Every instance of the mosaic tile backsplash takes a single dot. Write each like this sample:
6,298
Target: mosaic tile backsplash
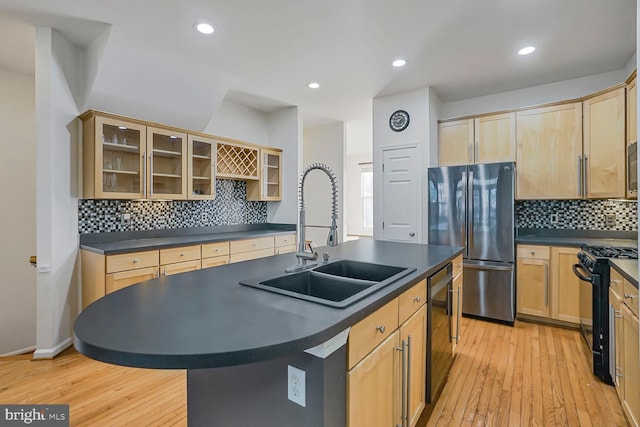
577,214
230,207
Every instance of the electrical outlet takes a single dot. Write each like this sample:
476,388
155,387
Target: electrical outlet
610,220
554,218
204,216
296,385
125,218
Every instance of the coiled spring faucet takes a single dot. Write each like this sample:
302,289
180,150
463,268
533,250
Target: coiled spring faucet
332,238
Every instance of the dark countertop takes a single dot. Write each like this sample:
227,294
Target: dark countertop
577,238
123,242
205,319
628,268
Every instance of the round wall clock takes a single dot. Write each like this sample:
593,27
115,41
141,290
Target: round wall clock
399,120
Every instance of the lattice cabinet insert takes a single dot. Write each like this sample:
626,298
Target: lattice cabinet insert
237,161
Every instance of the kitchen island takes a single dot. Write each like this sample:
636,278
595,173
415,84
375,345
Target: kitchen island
236,342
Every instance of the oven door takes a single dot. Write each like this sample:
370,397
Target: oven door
586,297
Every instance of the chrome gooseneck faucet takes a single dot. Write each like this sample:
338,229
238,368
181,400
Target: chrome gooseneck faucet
332,238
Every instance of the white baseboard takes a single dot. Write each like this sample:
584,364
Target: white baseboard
50,353
21,351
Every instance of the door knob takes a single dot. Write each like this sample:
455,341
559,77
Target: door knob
412,234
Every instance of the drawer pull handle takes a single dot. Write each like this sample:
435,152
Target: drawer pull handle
533,252
135,260
380,329
629,296
416,299
181,253
253,244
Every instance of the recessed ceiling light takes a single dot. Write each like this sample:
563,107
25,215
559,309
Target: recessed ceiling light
399,63
205,28
526,50
314,85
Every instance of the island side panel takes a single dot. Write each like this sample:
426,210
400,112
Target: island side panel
256,393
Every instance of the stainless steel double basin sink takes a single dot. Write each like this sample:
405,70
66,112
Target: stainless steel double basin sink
336,284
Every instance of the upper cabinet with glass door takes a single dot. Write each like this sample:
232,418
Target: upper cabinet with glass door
269,187
202,168
167,164
113,156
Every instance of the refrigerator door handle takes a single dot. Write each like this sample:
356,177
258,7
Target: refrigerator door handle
470,204
463,233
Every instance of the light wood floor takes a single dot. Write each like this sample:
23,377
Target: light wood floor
527,375
503,376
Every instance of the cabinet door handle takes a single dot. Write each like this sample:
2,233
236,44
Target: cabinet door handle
579,175
157,274
144,173
403,404
629,296
459,314
380,329
151,175
407,414
416,299
165,272
585,187
546,284
617,315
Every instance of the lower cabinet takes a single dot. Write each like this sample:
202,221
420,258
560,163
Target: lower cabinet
456,309
631,365
180,260
122,279
387,363
244,250
372,387
546,285
180,267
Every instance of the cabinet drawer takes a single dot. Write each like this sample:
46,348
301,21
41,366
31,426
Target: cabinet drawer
287,240
616,283
371,331
533,252
240,246
457,265
245,256
411,300
215,261
180,267
285,249
131,260
631,297
183,253
122,279
215,249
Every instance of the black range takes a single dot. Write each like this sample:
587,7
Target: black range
593,271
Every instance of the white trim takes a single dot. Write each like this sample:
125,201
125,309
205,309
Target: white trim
21,351
50,353
328,347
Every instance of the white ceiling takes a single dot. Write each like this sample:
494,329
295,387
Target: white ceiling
265,52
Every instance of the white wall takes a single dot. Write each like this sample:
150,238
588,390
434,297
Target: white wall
417,104
236,121
358,149
18,213
285,132
324,144
57,143
535,95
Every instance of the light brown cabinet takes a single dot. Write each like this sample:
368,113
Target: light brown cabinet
549,152
604,145
114,158
285,244
180,260
167,156
632,111
386,369
237,160
623,298
215,254
485,139
455,142
269,187
202,166
564,285
546,285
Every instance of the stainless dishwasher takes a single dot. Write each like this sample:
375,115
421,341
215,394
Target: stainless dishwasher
439,333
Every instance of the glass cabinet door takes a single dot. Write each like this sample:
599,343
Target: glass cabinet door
271,175
119,160
202,168
167,164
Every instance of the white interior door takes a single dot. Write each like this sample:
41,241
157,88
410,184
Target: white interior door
402,197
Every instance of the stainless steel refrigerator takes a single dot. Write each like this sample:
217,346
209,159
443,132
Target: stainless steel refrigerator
473,206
